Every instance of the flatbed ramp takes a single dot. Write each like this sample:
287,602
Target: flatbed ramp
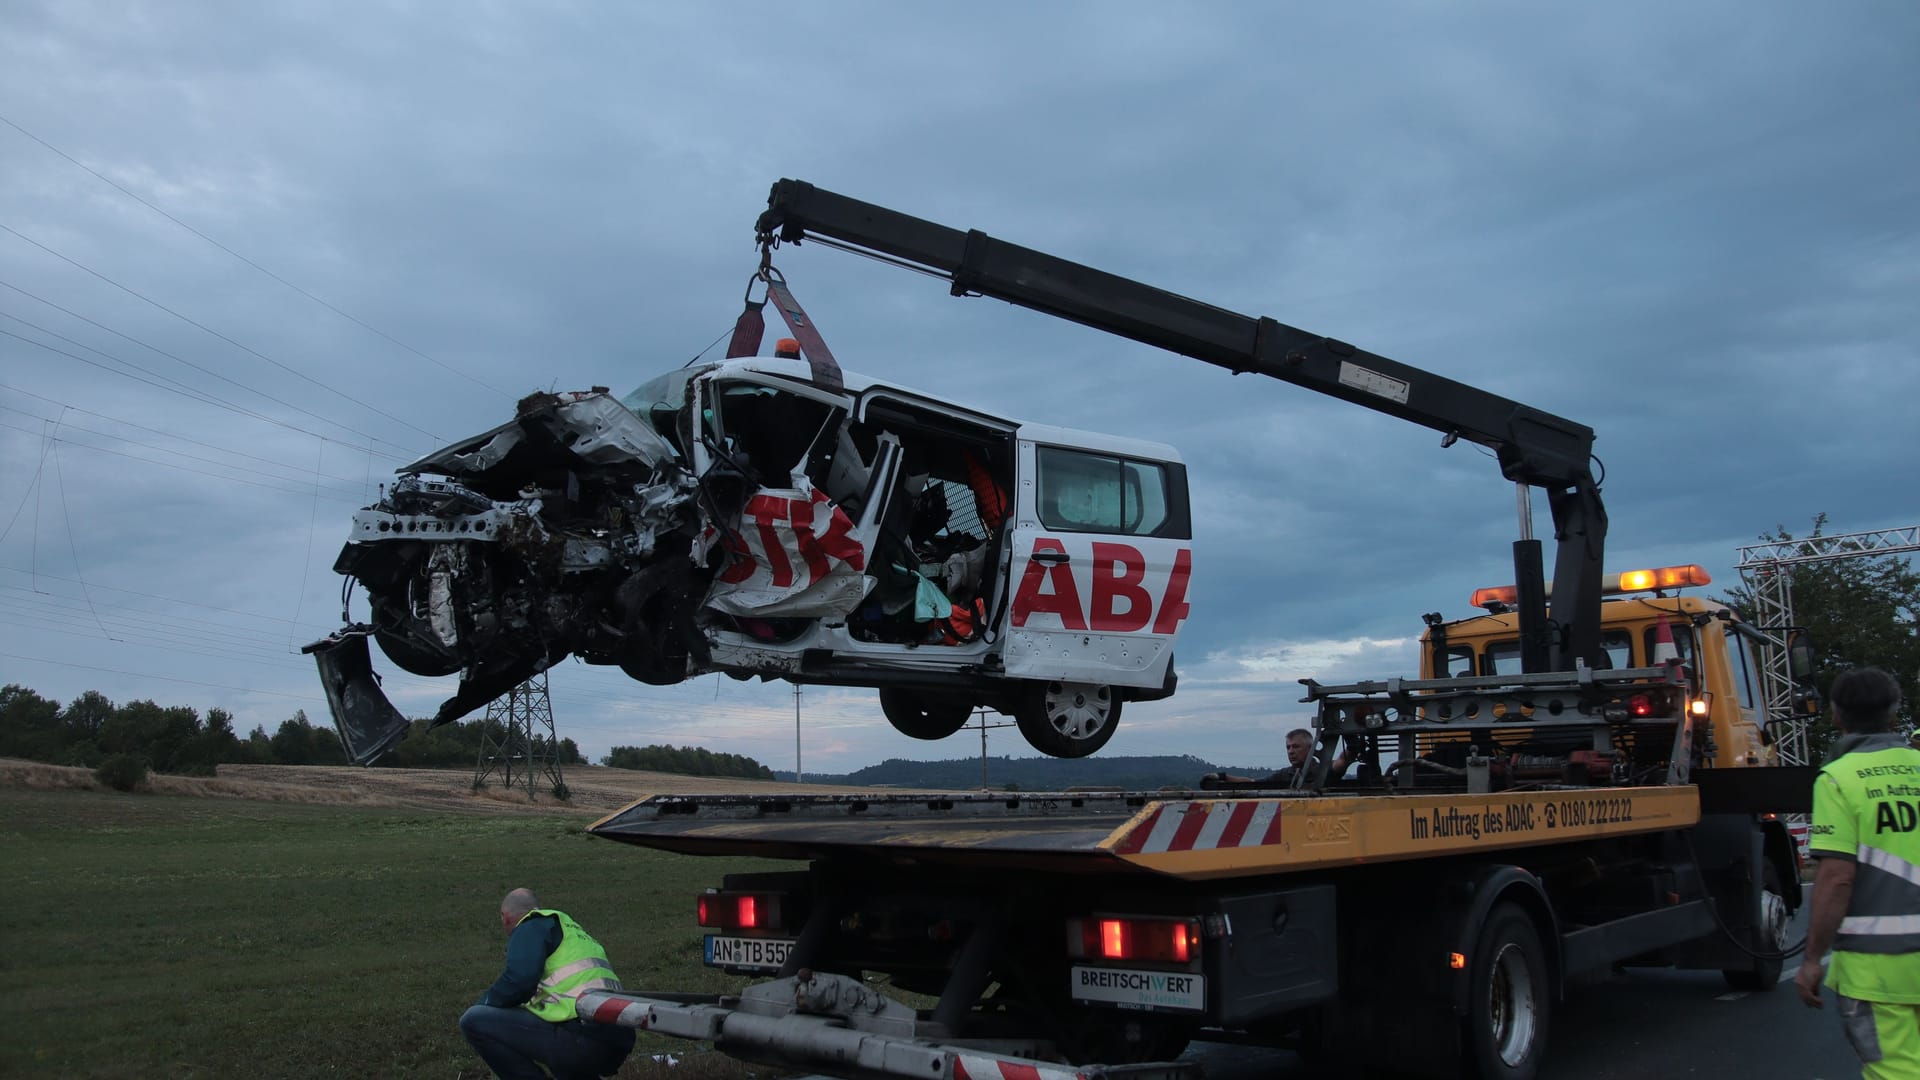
1186,835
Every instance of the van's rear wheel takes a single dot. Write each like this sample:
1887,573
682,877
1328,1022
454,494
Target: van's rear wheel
1068,719
919,715
1509,999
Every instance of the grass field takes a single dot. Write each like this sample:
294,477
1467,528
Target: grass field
160,936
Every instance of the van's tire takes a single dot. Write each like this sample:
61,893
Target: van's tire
1068,719
1770,935
412,657
919,715
1509,1000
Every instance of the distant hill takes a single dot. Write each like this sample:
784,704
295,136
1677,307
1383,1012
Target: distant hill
1034,774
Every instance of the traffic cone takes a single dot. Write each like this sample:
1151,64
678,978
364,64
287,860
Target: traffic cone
1664,650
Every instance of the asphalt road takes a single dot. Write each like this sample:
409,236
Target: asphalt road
1643,1025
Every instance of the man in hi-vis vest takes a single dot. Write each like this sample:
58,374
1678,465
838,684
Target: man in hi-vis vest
1866,897
526,1018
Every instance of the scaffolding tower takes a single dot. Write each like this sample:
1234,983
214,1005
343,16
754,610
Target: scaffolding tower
518,733
1767,570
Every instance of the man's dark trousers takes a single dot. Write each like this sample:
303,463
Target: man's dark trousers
514,1043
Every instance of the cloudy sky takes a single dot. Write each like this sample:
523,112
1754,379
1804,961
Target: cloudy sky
252,257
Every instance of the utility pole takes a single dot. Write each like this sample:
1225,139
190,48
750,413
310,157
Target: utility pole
981,715
798,776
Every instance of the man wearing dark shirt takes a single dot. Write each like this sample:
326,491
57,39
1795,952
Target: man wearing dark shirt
526,1018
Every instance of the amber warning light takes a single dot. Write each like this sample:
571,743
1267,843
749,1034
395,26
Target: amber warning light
1626,581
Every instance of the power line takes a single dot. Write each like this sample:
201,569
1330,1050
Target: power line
158,620
32,486
162,678
190,392
170,435
350,318
182,468
157,596
352,492
210,330
73,546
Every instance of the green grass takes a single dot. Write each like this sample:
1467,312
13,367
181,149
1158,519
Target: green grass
149,936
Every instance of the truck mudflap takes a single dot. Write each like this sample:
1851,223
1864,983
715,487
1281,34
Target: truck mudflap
368,723
842,1027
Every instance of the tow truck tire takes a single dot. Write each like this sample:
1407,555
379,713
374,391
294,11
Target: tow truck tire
1764,975
920,715
1509,1000
1068,719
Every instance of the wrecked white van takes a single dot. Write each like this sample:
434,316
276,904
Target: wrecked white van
735,516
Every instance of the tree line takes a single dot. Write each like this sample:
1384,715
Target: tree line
687,760
90,729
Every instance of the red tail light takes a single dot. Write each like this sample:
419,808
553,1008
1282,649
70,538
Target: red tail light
1640,705
738,911
1163,941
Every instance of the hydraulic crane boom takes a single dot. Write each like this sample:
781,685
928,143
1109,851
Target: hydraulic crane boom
1535,448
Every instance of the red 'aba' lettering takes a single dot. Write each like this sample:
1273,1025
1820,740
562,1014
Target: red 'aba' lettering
1062,597
1118,571
1121,603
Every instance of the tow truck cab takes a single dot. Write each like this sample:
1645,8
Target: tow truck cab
1644,623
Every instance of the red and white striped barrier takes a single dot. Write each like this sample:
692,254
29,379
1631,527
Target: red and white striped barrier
1204,826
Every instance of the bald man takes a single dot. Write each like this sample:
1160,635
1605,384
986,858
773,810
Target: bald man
526,1018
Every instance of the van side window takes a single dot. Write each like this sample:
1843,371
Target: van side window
1083,492
1741,664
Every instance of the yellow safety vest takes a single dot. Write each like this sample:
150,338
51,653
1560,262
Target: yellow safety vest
576,965
1866,807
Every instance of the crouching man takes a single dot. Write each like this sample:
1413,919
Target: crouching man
526,1018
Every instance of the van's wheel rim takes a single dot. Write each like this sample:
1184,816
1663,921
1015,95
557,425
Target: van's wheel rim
1512,1015
1077,710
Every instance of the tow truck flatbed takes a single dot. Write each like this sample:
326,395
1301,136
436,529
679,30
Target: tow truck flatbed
1186,835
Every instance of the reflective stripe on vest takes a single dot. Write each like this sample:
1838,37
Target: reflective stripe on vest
576,965
1886,891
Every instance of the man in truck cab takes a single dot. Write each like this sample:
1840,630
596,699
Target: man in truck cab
1299,751
1866,896
526,1018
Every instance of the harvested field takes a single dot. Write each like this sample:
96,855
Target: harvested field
592,789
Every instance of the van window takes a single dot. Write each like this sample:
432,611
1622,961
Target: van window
1741,665
1083,492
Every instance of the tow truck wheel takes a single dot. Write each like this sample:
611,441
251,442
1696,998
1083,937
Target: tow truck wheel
1509,999
1770,935
920,715
1068,719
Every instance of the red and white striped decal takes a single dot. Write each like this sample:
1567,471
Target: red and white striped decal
981,1067
1204,826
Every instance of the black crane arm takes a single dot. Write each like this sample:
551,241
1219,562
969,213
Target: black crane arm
1534,448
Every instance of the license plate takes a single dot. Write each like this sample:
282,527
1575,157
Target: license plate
1140,989
760,954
